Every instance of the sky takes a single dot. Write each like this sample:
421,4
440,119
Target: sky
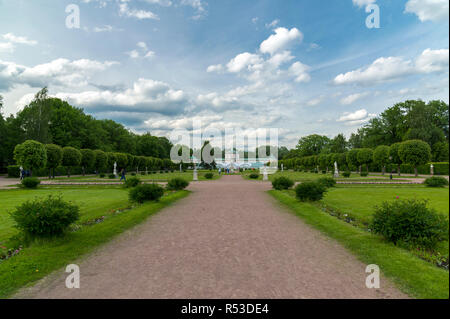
301,66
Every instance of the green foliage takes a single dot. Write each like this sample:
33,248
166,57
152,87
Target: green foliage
253,175
100,160
87,158
30,182
71,157
364,174
209,175
312,145
177,183
327,182
121,160
352,157
410,222
381,155
310,191
54,155
47,217
282,182
414,152
347,174
393,153
436,181
112,176
365,156
146,192
30,154
440,152
132,182
13,171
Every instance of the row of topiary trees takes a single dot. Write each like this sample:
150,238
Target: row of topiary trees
412,152
32,155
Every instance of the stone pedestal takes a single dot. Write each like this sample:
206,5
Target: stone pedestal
195,175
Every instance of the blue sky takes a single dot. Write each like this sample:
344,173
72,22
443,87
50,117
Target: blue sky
155,65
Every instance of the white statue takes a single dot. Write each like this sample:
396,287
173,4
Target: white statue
115,169
432,169
336,171
265,175
195,178
282,167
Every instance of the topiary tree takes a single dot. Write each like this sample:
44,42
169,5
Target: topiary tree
110,162
139,162
121,160
381,157
394,157
323,161
101,160
71,158
352,158
54,158
87,159
30,154
365,157
415,153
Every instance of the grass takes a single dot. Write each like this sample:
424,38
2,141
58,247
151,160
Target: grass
412,275
93,202
41,258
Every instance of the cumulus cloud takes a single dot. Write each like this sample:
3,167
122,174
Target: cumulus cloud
362,3
57,72
12,40
428,10
391,68
352,98
272,24
141,51
280,40
198,5
243,60
356,118
214,68
146,96
300,72
125,10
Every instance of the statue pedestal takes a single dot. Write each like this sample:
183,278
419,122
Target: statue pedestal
265,176
195,178
336,174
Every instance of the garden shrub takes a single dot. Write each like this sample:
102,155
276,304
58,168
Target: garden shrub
254,175
102,175
14,171
324,172
436,182
132,182
410,222
146,192
45,217
133,174
112,176
364,174
346,174
327,181
310,191
177,183
281,183
209,175
30,182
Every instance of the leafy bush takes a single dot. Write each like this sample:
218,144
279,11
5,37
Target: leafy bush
133,174
346,174
436,182
146,192
209,175
112,176
364,174
327,182
324,172
177,184
254,175
102,175
14,171
410,222
132,182
47,217
310,191
30,182
282,182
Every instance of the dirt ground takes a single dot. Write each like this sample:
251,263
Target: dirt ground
228,239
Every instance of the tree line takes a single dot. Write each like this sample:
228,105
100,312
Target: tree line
52,121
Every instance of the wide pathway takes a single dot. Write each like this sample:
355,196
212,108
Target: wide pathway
228,239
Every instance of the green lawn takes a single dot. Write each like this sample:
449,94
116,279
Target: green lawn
412,275
42,257
93,202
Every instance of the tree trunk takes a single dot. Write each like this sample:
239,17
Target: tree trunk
359,169
49,173
53,171
84,171
383,171
415,172
68,172
398,170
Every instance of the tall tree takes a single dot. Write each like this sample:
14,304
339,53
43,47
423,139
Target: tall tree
312,145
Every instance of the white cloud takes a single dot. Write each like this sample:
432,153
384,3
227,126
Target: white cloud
214,68
146,96
242,61
198,5
57,72
124,10
164,3
280,40
391,68
6,47
315,101
428,10
272,24
353,98
363,3
142,51
356,118
255,20
300,72
18,40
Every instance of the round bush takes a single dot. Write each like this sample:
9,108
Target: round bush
346,174
209,175
112,176
102,175
132,182
364,174
410,222
146,192
282,182
327,182
254,175
436,181
310,191
176,184
30,182
47,217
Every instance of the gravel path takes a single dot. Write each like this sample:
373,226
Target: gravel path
228,239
